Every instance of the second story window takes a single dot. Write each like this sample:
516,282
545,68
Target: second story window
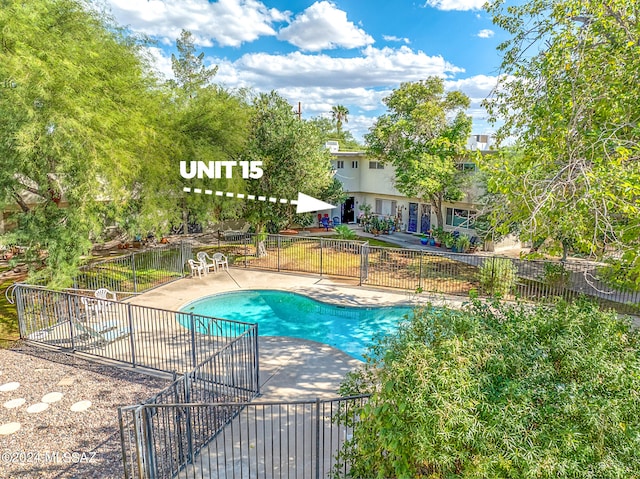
376,165
354,164
339,164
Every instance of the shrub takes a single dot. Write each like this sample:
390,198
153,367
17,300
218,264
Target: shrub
500,391
463,243
497,276
345,233
556,276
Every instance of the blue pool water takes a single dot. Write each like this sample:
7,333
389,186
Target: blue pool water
281,313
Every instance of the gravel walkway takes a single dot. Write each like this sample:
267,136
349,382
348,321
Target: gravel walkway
64,412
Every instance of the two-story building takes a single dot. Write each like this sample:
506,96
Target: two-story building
369,182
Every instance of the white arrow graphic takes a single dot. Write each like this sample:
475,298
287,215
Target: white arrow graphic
304,203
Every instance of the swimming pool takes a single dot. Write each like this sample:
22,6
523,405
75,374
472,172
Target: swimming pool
281,313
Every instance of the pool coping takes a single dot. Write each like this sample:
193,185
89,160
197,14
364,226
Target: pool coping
291,368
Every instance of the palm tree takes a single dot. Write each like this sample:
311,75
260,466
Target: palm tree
339,114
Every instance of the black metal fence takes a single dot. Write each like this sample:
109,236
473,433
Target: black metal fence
299,439
428,270
136,272
136,335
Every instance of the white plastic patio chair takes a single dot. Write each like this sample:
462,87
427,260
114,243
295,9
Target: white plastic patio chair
220,261
206,261
196,268
92,306
105,294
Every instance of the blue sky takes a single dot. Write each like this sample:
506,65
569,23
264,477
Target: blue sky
325,53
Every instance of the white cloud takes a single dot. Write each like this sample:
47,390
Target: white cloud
393,38
374,68
456,4
322,26
160,62
225,22
486,33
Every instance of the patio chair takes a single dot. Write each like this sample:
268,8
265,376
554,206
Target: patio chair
105,294
93,306
220,261
206,261
196,268
101,334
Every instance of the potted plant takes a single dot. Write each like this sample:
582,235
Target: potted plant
463,243
424,240
448,240
438,235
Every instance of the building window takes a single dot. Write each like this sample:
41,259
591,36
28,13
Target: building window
376,165
354,164
457,217
378,209
339,164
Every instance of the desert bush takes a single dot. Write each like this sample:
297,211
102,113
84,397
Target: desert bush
500,391
497,276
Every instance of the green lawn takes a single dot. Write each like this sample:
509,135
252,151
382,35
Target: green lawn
8,318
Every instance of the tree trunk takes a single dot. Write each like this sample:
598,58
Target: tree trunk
436,202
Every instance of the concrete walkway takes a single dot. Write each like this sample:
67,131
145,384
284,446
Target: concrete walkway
290,368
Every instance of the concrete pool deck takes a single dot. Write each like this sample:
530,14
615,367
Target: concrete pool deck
290,368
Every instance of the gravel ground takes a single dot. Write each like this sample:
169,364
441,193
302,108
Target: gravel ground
58,442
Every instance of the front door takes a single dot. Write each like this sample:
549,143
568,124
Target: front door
413,218
348,213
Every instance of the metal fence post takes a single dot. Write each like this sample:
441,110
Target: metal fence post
133,272
246,249
151,468
321,248
279,246
187,397
70,319
420,270
193,340
317,438
132,341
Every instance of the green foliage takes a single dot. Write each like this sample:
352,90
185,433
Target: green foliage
334,193
340,114
293,160
463,244
556,275
622,274
497,276
423,134
75,126
500,391
328,131
189,70
345,233
569,95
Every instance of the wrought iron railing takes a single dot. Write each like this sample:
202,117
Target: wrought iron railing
296,439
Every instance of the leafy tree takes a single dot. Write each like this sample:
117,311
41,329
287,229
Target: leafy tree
500,391
188,68
423,133
199,122
293,160
570,97
340,115
210,126
75,125
328,131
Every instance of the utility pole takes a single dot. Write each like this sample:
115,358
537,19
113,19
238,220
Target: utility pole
299,112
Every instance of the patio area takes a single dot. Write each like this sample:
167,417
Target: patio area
290,368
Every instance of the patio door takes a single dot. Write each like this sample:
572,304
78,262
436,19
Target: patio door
413,218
